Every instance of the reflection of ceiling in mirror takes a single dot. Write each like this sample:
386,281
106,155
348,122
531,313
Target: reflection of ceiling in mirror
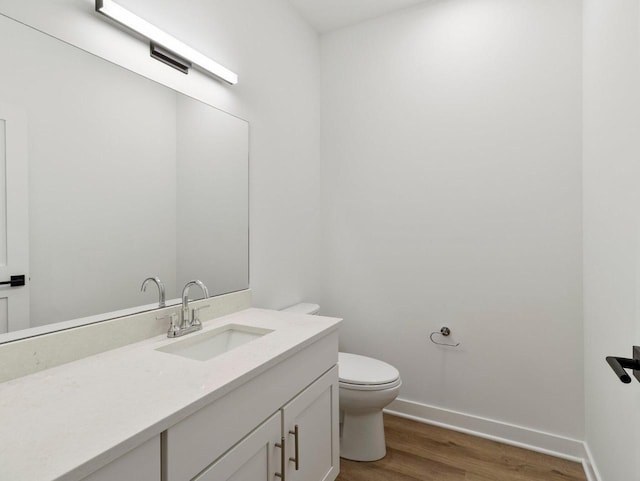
127,178
327,15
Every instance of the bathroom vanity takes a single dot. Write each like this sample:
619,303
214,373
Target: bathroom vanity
150,411
89,387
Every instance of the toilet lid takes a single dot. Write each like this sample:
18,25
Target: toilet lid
361,370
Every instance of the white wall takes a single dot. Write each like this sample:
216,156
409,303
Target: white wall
276,55
611,254
451,156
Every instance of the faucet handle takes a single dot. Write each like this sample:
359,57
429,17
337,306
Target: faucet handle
173,323
195,320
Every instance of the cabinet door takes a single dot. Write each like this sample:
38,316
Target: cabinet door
255,458
315,414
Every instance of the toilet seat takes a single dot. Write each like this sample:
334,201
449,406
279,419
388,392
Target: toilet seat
363,373
369,387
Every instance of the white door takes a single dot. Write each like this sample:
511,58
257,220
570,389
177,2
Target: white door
310,425
255,458
14,219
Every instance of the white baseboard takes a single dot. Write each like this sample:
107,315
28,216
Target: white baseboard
511,434
589,465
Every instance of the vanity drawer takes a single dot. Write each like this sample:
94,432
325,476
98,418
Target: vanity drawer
197,441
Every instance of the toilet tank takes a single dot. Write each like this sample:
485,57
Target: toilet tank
303,308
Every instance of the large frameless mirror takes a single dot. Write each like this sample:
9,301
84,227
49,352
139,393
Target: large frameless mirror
126,179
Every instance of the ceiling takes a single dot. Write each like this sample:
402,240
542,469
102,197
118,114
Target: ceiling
327,15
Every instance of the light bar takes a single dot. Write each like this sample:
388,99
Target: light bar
157,36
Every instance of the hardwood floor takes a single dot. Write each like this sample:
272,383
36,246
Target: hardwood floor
417,451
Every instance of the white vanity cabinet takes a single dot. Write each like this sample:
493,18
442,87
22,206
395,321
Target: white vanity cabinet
171,417
235,437
307,425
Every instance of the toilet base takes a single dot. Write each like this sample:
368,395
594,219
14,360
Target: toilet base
362,436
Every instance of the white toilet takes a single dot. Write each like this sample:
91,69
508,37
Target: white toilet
367,386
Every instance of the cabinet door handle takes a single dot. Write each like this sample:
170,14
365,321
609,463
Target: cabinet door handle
297,458
283,459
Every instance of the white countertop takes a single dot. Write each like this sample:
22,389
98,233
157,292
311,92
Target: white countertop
66,422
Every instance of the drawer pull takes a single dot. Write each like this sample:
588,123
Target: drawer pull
297,458
283,459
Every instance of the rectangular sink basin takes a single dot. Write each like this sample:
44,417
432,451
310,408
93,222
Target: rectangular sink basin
208,345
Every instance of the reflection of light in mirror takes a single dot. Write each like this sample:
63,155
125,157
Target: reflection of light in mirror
153,33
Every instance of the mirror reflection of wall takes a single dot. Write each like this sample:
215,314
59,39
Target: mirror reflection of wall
127,179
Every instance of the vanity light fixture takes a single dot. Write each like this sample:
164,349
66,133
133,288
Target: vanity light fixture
164,47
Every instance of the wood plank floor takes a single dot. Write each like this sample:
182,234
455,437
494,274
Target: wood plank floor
417,451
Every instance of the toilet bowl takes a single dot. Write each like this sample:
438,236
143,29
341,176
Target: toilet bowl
366,387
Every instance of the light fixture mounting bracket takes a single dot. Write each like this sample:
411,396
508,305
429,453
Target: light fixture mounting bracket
169,58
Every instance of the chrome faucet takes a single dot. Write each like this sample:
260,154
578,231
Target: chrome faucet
188,323
158,282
